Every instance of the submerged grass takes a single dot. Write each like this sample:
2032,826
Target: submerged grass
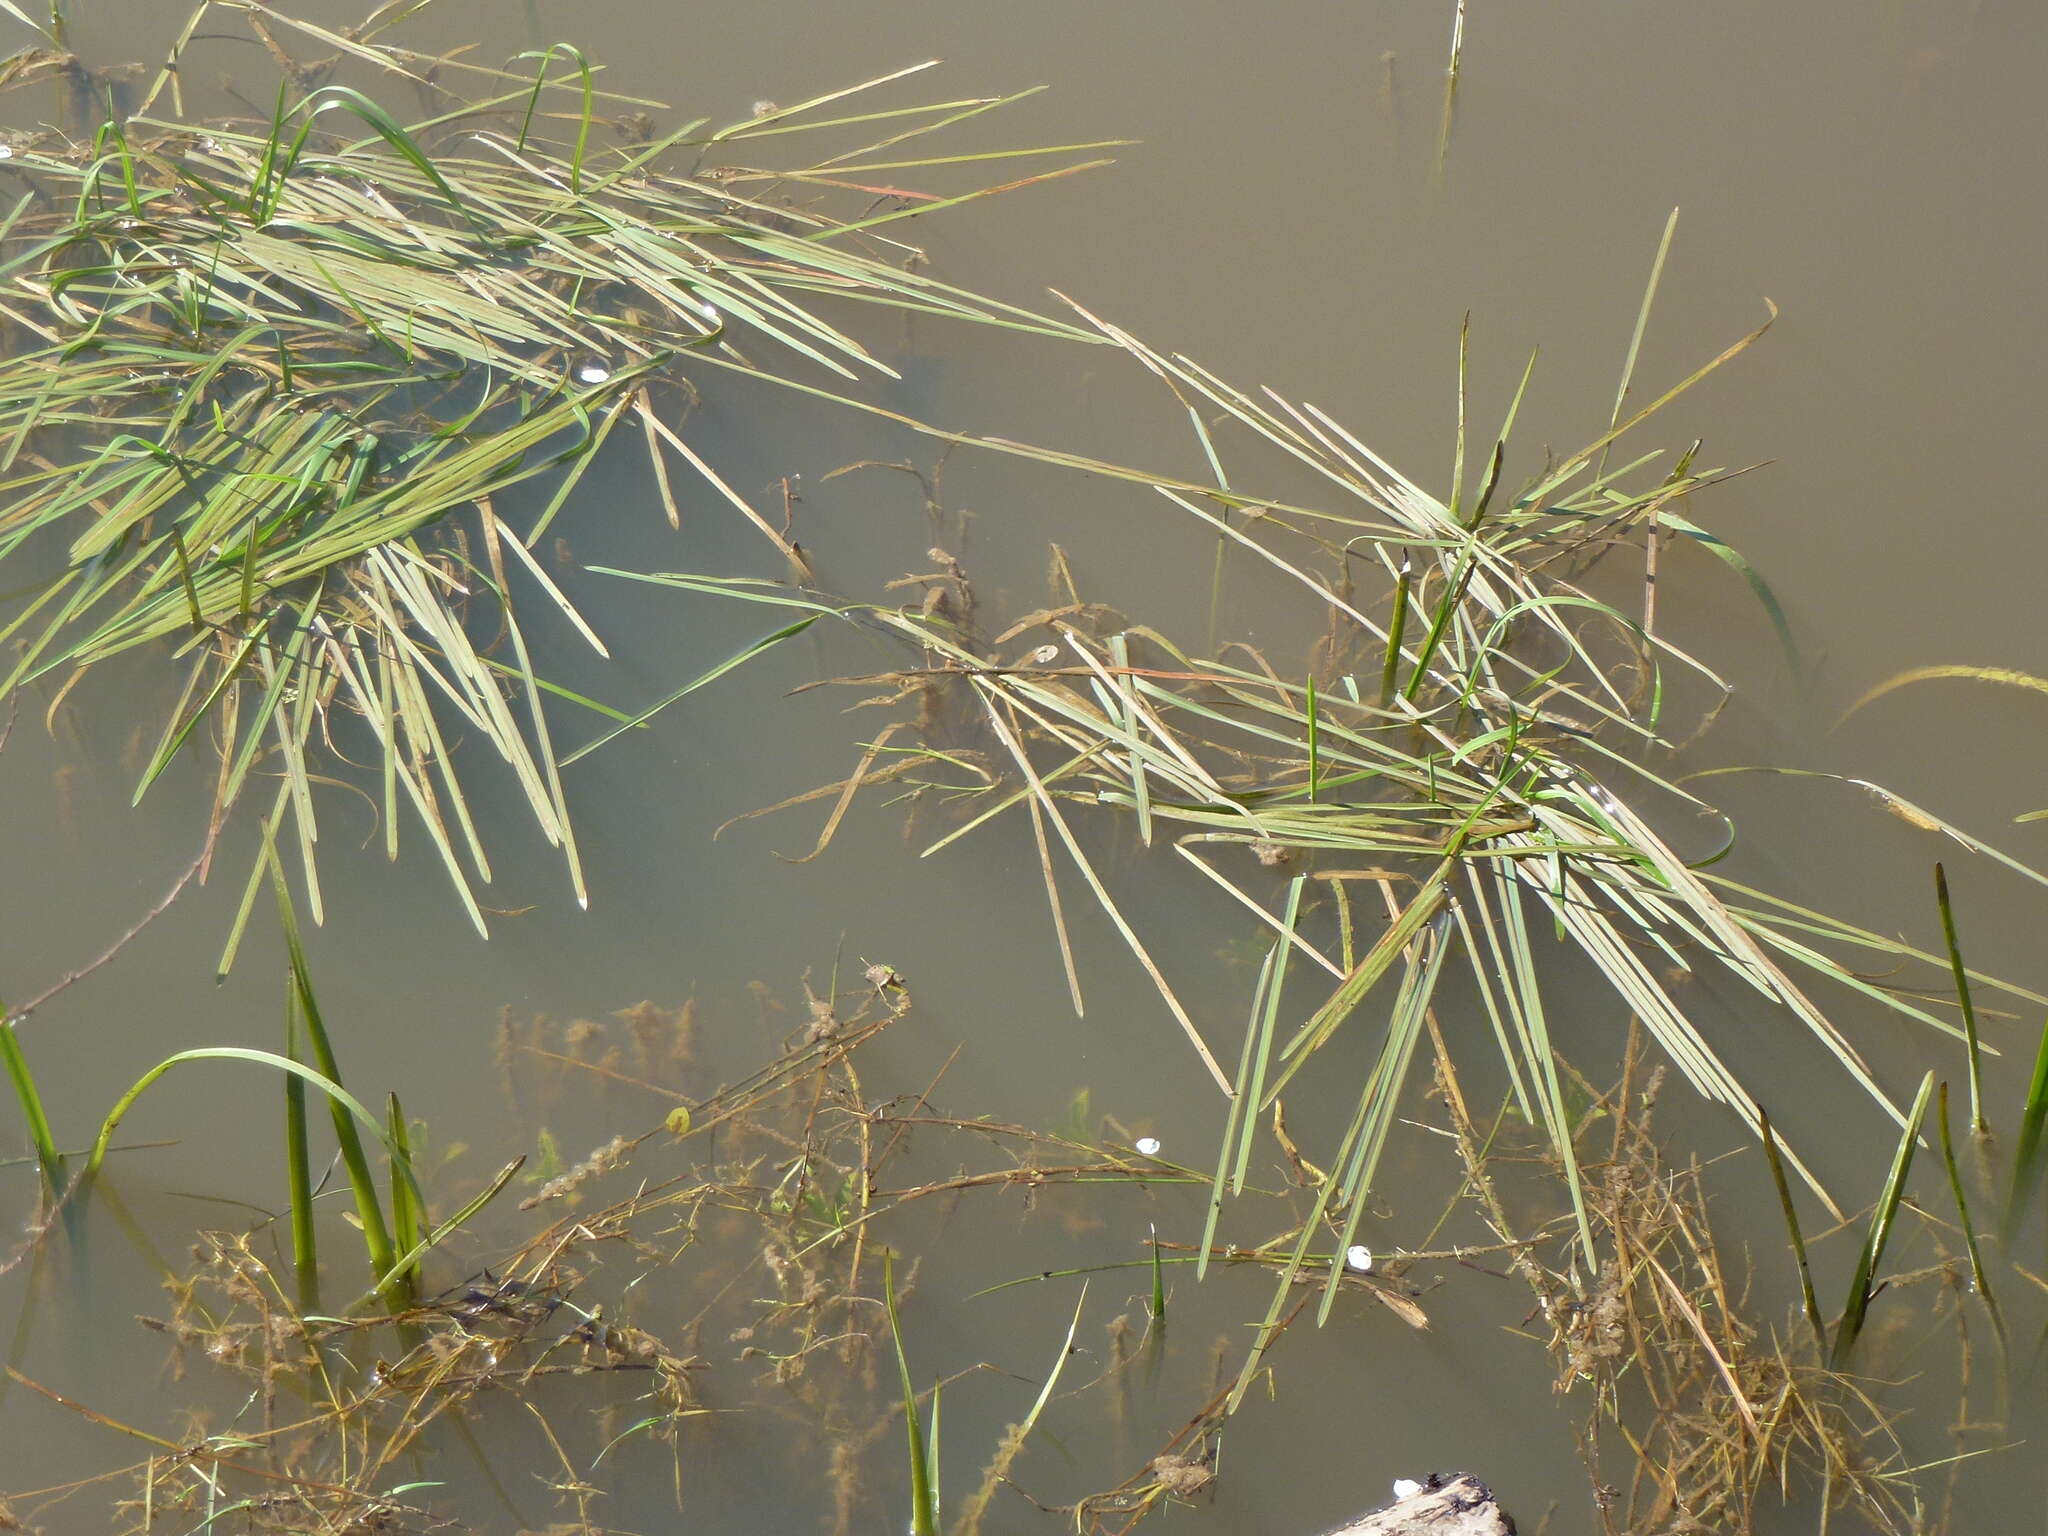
746,1220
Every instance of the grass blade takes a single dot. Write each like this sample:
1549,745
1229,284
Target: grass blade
1978,1278
924,1515
47,1156
298,1163
1806,1294
1880,1232
1962,981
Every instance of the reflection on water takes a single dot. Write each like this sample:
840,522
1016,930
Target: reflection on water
1287,217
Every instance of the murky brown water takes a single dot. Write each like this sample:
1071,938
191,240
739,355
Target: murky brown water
1286,219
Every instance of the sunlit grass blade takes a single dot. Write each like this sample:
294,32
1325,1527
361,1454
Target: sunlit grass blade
26,1094
971,1512
1240,1124
336,1095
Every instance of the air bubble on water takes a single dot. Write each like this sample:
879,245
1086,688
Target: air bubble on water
592,373
1358,1257
1149,1145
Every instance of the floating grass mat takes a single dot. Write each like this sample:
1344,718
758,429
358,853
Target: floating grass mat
1464,779
265,385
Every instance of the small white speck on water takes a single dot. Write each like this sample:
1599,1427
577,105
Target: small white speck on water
592,373
1359,1258
710,312
6,151
1149,1145
1406,1487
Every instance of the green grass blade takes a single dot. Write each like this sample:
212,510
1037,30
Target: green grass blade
924,1519
408,1261
2026,1161
408,1217
298,1163
1978,1278
336,1095
1962,981
1237,1123
25,1092
1807,1298
344,1111
1872,1255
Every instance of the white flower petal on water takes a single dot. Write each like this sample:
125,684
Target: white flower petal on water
1149,1145
1358,1257
1406,1487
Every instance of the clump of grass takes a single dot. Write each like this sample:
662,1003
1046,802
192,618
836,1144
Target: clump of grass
1477,758
268,391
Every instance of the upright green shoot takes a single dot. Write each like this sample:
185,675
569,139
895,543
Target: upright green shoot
924,1509
1978,1124
1881,1216
2026,1162
26,1094
298,1161
1157,1305
1978,1278
408,1217
369,1208
1806,1294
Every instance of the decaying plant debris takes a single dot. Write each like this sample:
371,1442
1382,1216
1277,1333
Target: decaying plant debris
769,1247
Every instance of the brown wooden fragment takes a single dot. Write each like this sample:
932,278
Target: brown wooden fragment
1449,1504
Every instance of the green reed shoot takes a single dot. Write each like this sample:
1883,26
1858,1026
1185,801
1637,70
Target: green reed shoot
924,1507
969,1521
369,1207
1158,1303
298,1162
1397,625
48,1158
1978,1277
1807,1298
1247,1097
1881,1216
1962,980
408,1217
2026,1162
1315,776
